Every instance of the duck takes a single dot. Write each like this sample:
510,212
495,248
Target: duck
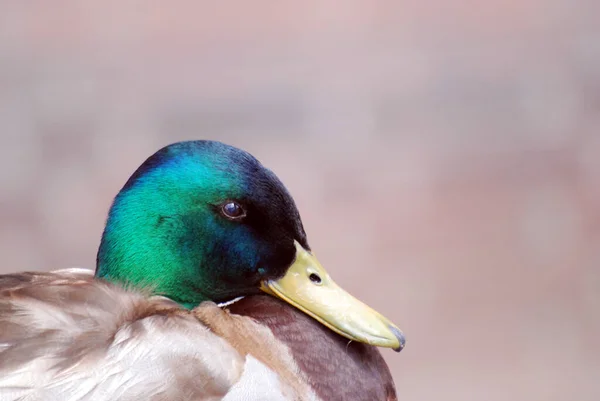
205,288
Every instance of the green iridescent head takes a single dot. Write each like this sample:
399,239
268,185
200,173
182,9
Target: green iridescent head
200,220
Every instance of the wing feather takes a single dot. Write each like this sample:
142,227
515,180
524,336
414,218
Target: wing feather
65,336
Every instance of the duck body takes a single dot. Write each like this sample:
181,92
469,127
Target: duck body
197,222
68,336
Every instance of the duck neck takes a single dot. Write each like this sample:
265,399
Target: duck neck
145,248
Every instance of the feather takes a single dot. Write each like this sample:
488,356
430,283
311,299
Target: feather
67,336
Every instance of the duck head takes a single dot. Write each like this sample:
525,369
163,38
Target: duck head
201,220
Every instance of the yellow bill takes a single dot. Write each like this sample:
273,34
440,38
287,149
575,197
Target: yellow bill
308,287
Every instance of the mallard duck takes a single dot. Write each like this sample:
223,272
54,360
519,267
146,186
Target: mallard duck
174,309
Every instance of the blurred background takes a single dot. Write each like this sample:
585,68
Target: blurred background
445,157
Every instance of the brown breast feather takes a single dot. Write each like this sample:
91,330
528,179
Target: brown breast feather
336,368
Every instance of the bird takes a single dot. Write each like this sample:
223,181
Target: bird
205,288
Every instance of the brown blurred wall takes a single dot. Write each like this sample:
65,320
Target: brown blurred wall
445,157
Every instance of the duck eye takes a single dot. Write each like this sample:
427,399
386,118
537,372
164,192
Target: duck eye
233,210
